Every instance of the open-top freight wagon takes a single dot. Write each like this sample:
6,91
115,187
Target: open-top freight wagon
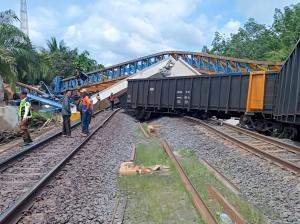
266,101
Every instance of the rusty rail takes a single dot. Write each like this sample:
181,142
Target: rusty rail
228,208
222,178
198,202
133,154
144,131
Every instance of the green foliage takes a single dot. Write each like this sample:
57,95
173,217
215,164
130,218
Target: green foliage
20,61
17,55
201,178
63,60
157,197
86,63
8,17
256,41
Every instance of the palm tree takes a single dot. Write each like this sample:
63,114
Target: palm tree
53,45
18,58
15,47
8,17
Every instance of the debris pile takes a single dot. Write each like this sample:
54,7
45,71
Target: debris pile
8,135
127,168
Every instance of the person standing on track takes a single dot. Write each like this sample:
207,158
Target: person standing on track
66,114
85,112
99,101
112,101
24,116
91,111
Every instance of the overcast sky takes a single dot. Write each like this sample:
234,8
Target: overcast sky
117,30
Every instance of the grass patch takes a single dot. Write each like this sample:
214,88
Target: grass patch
201,177
159,197
38,118
41,115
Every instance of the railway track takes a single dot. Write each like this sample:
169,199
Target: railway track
285,155
22,177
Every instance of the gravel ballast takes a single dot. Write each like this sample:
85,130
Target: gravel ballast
275,191
21,175
85,191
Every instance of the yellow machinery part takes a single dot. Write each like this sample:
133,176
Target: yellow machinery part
256,91
75,116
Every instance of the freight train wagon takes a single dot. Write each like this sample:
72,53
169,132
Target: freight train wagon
266,101
206,95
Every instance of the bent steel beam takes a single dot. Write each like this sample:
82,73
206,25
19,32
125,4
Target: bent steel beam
202,62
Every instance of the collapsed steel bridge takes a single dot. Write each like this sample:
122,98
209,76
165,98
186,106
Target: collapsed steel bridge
202,62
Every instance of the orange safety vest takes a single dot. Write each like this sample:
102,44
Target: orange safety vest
86,103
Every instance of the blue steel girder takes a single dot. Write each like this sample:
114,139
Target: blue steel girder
205,63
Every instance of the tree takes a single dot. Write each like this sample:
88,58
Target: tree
16,52
256,41
20,61
8,17
218,44
53,46
205,49
287,26
64,60
85,63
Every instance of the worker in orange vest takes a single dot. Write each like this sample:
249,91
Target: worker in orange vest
85,112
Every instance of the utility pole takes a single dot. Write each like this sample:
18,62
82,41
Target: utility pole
24,18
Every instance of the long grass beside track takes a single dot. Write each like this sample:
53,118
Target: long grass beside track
158,197
154,197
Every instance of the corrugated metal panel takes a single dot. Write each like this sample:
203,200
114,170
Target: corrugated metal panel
287,107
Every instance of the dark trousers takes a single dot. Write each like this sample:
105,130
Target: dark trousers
90,116
85,121
66,125
24,131
112,105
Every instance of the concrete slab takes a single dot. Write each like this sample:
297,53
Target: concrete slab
9,118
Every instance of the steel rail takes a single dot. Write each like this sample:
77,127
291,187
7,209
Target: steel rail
198,202
4,163
274,159
290,147
221,177
13,213
227,206
145,133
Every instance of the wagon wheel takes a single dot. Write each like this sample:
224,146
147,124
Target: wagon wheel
140,114
245,121
147,116
260,126
289,133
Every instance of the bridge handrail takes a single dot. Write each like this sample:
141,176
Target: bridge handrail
184,53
